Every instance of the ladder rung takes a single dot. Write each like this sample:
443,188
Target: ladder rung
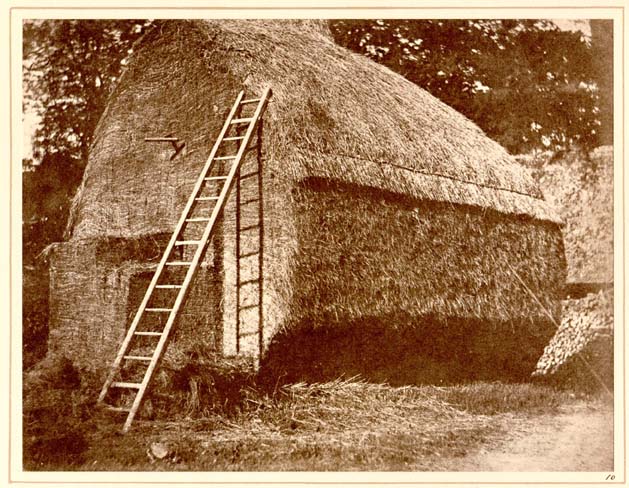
124,384
251,100
246,307
245,334
224,158
252,200
198,219
213,178
249,254
249,282
249,175
158,309
234,138
167,286
187,243
241,121
142,333
250,227
206,198
178,263
117,409
138,358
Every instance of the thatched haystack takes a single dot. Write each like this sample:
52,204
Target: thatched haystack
383,209
581,187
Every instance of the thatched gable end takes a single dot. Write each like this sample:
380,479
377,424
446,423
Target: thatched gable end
334,114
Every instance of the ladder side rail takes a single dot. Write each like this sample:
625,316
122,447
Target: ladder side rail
238,261
260,242
168,250
255,118
195,261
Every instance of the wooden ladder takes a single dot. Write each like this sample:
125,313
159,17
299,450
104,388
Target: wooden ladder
143,327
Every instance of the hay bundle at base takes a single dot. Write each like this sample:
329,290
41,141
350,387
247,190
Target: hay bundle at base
381,205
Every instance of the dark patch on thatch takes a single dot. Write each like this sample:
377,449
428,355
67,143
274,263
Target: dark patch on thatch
403,349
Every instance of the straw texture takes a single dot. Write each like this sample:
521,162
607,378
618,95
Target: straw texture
377,199
334,114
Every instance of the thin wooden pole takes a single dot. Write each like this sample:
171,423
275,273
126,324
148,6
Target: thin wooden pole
238,261
261,243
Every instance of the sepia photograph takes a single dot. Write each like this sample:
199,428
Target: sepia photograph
343,244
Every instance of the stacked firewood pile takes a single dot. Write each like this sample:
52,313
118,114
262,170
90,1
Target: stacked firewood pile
581,187
582,347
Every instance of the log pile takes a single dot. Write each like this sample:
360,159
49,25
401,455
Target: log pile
585,336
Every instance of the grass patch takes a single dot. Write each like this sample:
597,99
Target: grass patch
341,425
497,398
58,414
338,426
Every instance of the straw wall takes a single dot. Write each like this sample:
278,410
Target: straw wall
96,288
364,252
384,285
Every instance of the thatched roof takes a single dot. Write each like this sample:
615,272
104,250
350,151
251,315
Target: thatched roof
581,187
334,114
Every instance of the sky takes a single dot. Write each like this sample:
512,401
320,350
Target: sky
573,25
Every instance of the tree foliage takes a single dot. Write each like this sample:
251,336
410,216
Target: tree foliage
69,70
70,67
526,83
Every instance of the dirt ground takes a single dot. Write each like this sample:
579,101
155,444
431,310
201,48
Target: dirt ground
580,439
